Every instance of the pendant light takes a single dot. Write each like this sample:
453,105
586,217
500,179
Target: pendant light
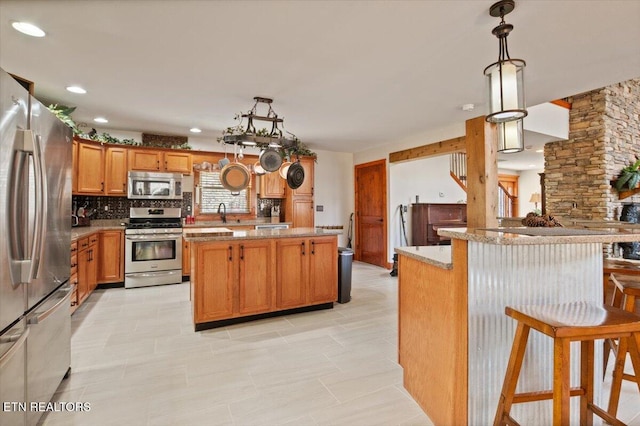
510,137
505,77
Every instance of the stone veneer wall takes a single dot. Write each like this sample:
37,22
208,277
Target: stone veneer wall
604,136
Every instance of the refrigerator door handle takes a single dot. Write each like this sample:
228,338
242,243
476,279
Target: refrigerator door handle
19,341
42,204
30,266
42,316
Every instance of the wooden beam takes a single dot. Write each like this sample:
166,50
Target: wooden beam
482,174
431,150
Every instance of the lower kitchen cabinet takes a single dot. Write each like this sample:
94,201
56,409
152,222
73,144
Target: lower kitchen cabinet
242,279
87,266
186,258
254,278
96,258
306,271
111,251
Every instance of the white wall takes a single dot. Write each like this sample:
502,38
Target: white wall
528,183
428,179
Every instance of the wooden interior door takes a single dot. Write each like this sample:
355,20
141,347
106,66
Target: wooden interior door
371,213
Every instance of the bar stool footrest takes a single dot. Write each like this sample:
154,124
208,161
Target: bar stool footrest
606,416
542,395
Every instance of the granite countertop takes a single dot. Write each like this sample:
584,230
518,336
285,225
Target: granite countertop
531,236
226,234
439,256
231,224
83,231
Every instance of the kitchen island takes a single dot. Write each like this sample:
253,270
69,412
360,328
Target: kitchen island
454,338
240,276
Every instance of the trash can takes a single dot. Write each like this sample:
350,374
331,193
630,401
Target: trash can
345,260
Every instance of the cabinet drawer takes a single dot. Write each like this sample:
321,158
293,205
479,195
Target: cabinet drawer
74,247
83,243
93,240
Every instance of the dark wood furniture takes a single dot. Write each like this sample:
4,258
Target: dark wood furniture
557,322
427,218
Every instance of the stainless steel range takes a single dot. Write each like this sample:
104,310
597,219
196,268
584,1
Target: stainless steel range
153,247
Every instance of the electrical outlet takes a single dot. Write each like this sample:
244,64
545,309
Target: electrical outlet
405,208
106,208
319,208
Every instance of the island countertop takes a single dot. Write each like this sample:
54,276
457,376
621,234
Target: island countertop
533,236
226,234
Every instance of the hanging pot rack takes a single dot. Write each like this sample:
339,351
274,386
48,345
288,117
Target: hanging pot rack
251,137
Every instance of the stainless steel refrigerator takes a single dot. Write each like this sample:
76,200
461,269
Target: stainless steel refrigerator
35,232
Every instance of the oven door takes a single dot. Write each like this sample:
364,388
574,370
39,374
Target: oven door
153,252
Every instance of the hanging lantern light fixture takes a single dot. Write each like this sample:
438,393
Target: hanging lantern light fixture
510,137
505,77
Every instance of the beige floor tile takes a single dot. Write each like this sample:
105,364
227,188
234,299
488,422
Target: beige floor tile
137,360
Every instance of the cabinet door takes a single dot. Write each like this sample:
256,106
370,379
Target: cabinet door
306,189
272,186
256,277
179,162
74,169
110,260
92,269
83,281
291,272
302,213
323,270
90,169
186,258
115,174
148,160
214,277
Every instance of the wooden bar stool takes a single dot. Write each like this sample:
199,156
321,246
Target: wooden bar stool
566,323
625,291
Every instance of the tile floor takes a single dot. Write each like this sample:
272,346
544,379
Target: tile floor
137,361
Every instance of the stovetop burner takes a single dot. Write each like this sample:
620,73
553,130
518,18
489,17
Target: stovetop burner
149,219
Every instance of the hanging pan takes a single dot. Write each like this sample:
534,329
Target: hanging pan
258,170
295,175
235,176
270,159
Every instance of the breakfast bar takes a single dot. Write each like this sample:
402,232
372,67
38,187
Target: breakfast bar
454,338
239,276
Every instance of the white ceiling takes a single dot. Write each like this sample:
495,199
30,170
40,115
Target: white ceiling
345,75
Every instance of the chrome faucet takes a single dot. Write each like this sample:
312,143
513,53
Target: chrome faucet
223,215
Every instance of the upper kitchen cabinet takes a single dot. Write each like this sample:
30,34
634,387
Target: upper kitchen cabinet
272,185
157,160
74,170
90,173
115,174
306,189
298,203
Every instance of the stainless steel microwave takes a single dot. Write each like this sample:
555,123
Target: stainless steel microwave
155,186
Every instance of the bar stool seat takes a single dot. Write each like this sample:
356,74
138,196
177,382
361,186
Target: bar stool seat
625,292
565,323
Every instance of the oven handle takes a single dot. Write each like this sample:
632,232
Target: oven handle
152,236
152,274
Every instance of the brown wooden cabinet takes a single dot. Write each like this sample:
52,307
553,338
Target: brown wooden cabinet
243,279
73,278
306,271
115,174
427,218
298,204
159,161
186,257
74,169
272,185
90,173
111,257
87,266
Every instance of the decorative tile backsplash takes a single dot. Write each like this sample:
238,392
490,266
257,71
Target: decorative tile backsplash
265,204
118,207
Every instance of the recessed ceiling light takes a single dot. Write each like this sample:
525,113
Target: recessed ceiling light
100,120
532,165
468,107
76,89
195,130
539,150
28,29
